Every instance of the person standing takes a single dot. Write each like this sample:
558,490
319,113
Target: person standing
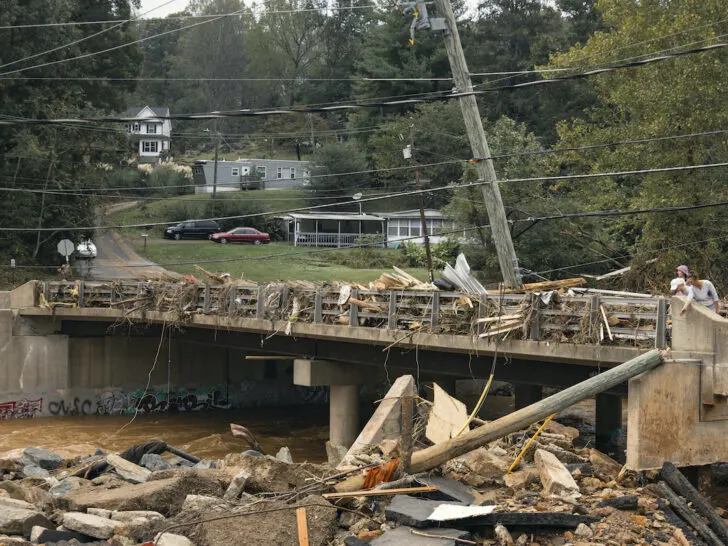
702,291
678,284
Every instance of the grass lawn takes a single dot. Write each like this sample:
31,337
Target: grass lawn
287,262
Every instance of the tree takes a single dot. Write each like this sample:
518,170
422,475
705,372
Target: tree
328,178
59,157
677,96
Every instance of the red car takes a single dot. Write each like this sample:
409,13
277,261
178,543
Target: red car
241,235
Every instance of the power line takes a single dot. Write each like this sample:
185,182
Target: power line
181,17
94,35
357,105
433,190
452,161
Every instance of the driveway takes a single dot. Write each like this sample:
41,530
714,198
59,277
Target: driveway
115,255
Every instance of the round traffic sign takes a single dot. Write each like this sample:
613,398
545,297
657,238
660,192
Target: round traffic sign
65,248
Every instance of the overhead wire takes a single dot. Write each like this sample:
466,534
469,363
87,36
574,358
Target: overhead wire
436,189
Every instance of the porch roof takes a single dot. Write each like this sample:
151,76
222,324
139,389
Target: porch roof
335,216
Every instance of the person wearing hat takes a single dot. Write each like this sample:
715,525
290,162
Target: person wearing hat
703,292
678,284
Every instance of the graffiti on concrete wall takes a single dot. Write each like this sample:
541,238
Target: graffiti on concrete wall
21,409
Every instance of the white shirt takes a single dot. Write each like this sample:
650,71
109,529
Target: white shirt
707,295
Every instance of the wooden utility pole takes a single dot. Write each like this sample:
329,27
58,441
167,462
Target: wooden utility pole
479,146
214,172
420,199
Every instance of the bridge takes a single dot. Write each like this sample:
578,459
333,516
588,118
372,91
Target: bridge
68,345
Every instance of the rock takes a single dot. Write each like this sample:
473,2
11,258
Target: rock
52,536
203,503
563,455
273,527
557,428
487,464
16,503
402,536
390,448
556,480
520,479
625,502
237,486
406,510
335,453
43,458
284,454
165,495
605,467
131,515
130,472
88,524
20,521
101,512
170,539
502,535
153,462
583,531
352,540
34,471
10,461
66,486
14,541
268,474
204,465
179,462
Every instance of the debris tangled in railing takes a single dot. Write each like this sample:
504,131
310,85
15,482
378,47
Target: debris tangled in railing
397,301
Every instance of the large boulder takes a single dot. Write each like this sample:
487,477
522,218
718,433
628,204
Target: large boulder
165,495
555,478
268,474
154,462
41,457
17,520
127,470
88,524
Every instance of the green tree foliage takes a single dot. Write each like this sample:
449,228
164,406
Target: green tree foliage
59,157
678,96
332,160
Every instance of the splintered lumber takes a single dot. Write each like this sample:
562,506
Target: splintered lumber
683,510
380,492
302,526
546,286
501,318
501,330
606,322
684,488
436,455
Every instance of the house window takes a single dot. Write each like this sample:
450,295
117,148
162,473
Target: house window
280,172
235,171
415,230
392,228
151,128
404,230
293,173
261,171
150,146
135,127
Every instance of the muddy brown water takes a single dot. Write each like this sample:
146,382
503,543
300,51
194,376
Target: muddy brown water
304,429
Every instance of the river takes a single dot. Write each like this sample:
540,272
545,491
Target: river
304,429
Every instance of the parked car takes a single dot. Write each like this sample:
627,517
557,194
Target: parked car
192,229
86,249
241,235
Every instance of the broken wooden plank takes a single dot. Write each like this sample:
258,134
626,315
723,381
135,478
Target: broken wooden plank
382,492
683,510
501,330
501,318
606,323
434,456
546,286
684,488
448,416
302,526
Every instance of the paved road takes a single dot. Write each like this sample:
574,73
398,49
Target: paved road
114,254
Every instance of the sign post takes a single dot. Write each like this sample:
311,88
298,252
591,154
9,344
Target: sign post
65,248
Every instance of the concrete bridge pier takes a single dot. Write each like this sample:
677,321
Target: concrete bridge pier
343,381
609,437
526,395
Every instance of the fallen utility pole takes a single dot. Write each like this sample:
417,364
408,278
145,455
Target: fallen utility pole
436,455
481,152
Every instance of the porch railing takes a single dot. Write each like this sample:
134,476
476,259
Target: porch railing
338,240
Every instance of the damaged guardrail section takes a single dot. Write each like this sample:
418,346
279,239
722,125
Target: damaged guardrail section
564,315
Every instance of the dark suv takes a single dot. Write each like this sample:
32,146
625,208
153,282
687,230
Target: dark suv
192,229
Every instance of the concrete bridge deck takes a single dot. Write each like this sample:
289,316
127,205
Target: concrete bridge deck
103,337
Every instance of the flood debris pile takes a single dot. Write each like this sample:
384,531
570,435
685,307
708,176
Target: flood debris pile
534,486
559,311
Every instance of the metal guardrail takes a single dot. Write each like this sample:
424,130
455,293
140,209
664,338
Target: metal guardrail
580,318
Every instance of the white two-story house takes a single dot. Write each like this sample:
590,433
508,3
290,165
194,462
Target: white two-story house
150,131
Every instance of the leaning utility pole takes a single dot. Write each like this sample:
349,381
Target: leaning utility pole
481,153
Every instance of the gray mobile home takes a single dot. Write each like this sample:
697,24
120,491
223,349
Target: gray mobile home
266,174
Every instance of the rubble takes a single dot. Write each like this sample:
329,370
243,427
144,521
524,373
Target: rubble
88,524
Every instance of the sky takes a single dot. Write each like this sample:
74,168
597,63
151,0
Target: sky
172,6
